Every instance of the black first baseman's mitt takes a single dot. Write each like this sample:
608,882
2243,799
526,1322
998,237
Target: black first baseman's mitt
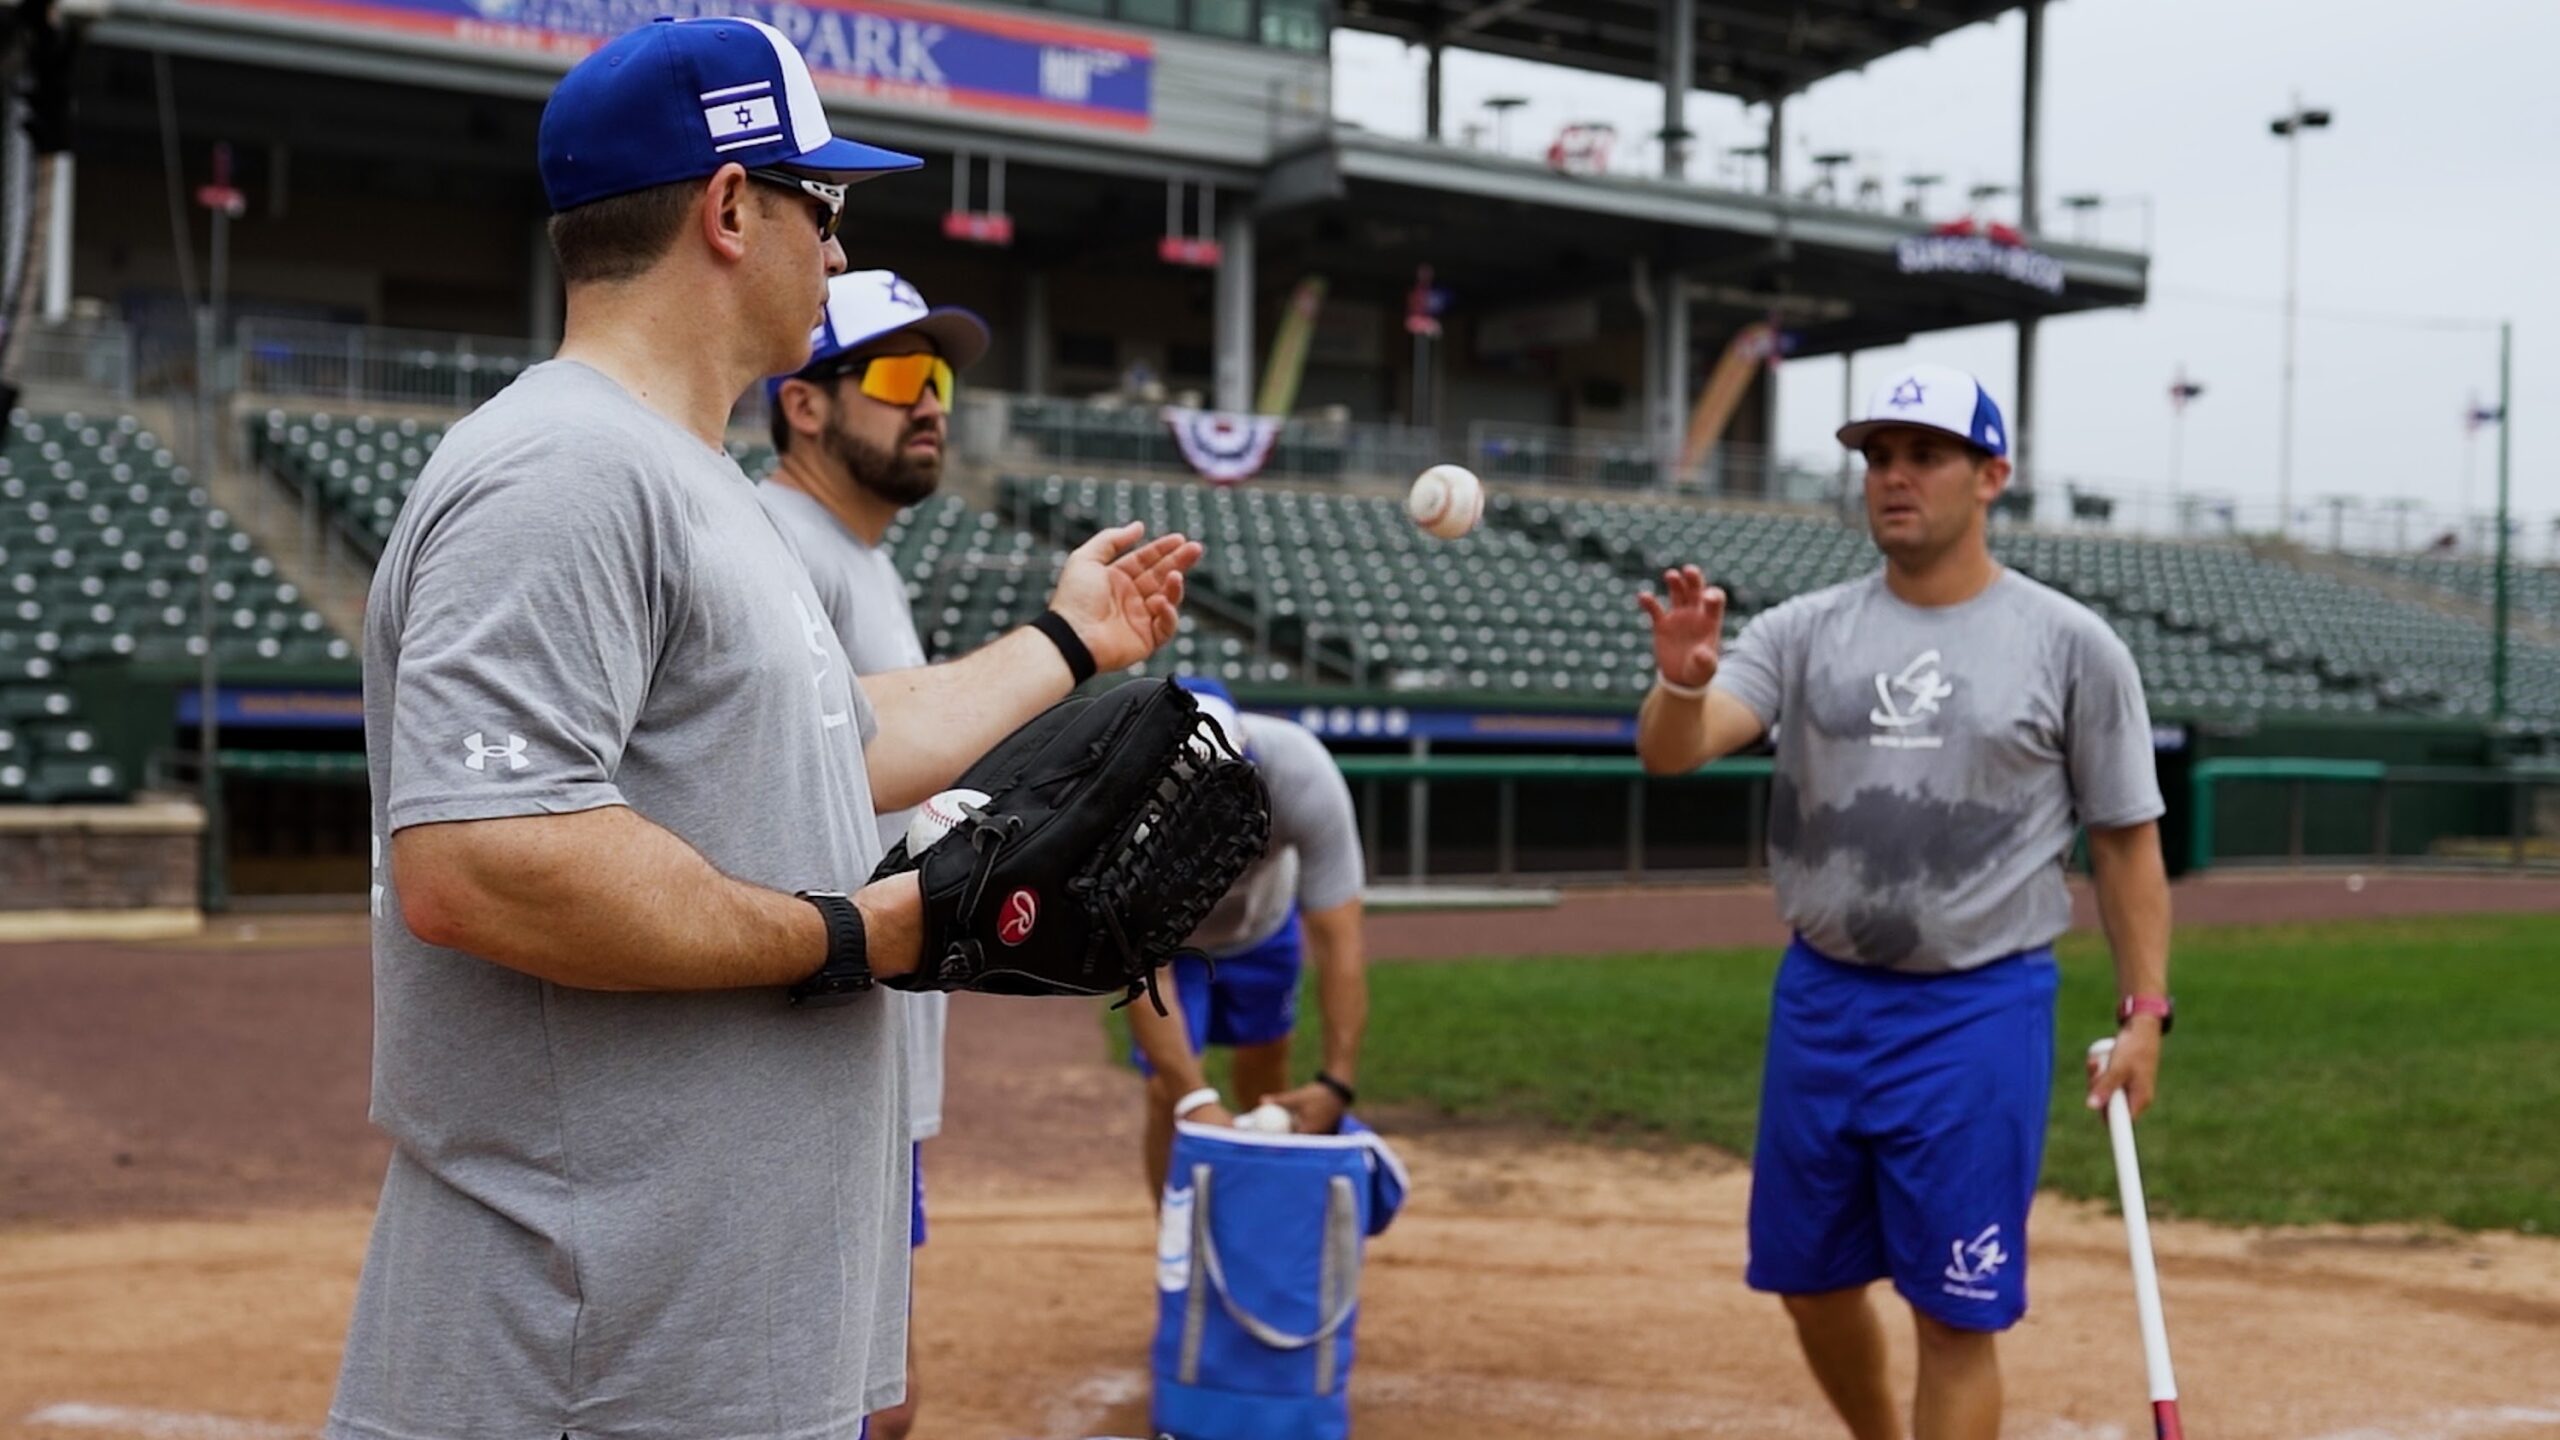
1112,825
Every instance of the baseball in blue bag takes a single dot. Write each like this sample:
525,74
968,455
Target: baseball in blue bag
1258,1259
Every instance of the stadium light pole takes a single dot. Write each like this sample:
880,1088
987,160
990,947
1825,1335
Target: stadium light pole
223,203
2182,393
2288,127
2084,211
2506,427
1502,106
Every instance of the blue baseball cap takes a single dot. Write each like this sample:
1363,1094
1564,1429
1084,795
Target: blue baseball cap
1933,397
865,305
677,99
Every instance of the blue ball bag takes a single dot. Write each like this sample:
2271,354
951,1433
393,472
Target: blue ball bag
1258,1258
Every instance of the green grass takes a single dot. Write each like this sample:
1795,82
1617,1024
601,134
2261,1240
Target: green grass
2357,1072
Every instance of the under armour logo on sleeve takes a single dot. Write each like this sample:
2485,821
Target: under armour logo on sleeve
481,752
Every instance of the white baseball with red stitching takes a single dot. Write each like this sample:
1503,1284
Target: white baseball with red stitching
935,817
1446,500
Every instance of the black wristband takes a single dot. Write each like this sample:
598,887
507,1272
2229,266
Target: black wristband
846,971
1071,647
1341,1092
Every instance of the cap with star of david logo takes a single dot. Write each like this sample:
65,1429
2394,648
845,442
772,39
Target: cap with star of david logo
869,305
1933,397
677,99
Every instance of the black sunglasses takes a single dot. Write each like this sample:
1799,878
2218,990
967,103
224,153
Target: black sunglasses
831,197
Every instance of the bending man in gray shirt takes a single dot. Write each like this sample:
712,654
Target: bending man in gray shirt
621,772
1943,729
1302,897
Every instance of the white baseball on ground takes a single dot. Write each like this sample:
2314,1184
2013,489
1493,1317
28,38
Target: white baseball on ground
1267,1118
935,817
1446,500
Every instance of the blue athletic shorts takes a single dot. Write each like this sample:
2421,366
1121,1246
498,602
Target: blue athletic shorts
1249,998
915,1217
1902,1123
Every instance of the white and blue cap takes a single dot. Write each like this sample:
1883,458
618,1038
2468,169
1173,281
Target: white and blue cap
677,99
1933,397
866,305
1219,704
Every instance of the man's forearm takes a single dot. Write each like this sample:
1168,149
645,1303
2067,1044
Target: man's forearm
2133,905
1342,989
1671,732
1676,734
936,720
605,900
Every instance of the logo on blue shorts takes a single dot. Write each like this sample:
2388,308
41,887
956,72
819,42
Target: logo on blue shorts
1975,1263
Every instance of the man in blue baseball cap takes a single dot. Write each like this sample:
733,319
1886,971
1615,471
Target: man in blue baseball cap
1944,728
649,1174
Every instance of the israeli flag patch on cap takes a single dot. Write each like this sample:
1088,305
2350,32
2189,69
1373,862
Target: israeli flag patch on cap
677,99
1933,397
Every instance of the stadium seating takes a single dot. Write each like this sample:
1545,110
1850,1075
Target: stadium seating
1310,585
100,531
359,468
2410,657
1350,579
971,576
2533,589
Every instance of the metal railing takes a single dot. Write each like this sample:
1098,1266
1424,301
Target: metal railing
355,364
1002,428
89,354
1635,847
1624,460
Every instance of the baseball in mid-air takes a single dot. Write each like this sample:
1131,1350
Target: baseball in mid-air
935,817
1446,500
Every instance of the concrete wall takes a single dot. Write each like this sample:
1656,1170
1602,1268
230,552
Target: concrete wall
100,869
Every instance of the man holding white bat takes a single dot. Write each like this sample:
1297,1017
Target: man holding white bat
1943,729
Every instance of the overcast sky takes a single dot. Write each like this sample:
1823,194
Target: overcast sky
2434,194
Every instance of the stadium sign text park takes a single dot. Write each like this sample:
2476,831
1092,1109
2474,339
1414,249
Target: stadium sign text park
893,50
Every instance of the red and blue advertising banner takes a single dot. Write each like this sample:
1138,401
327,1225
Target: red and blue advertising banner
892,50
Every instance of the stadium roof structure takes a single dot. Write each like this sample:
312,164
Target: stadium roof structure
1755,50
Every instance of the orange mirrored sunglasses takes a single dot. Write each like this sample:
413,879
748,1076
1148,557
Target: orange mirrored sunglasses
901,379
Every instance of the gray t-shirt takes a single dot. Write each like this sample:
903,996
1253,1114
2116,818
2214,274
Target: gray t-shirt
866,602
1933,764
651,1216
1314,859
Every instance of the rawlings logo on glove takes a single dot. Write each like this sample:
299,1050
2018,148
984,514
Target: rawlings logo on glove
1112,824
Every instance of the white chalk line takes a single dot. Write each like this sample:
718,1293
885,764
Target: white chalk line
1091,1400
2467,1423
161,1424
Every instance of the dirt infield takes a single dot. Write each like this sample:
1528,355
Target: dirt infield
186,1174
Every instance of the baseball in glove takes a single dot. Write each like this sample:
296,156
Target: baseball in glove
1112,824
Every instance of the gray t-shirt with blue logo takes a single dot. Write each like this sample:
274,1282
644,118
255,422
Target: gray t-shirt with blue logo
647,1216
1934,763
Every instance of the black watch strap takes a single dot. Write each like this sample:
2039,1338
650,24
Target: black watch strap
847,972
1341,1091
